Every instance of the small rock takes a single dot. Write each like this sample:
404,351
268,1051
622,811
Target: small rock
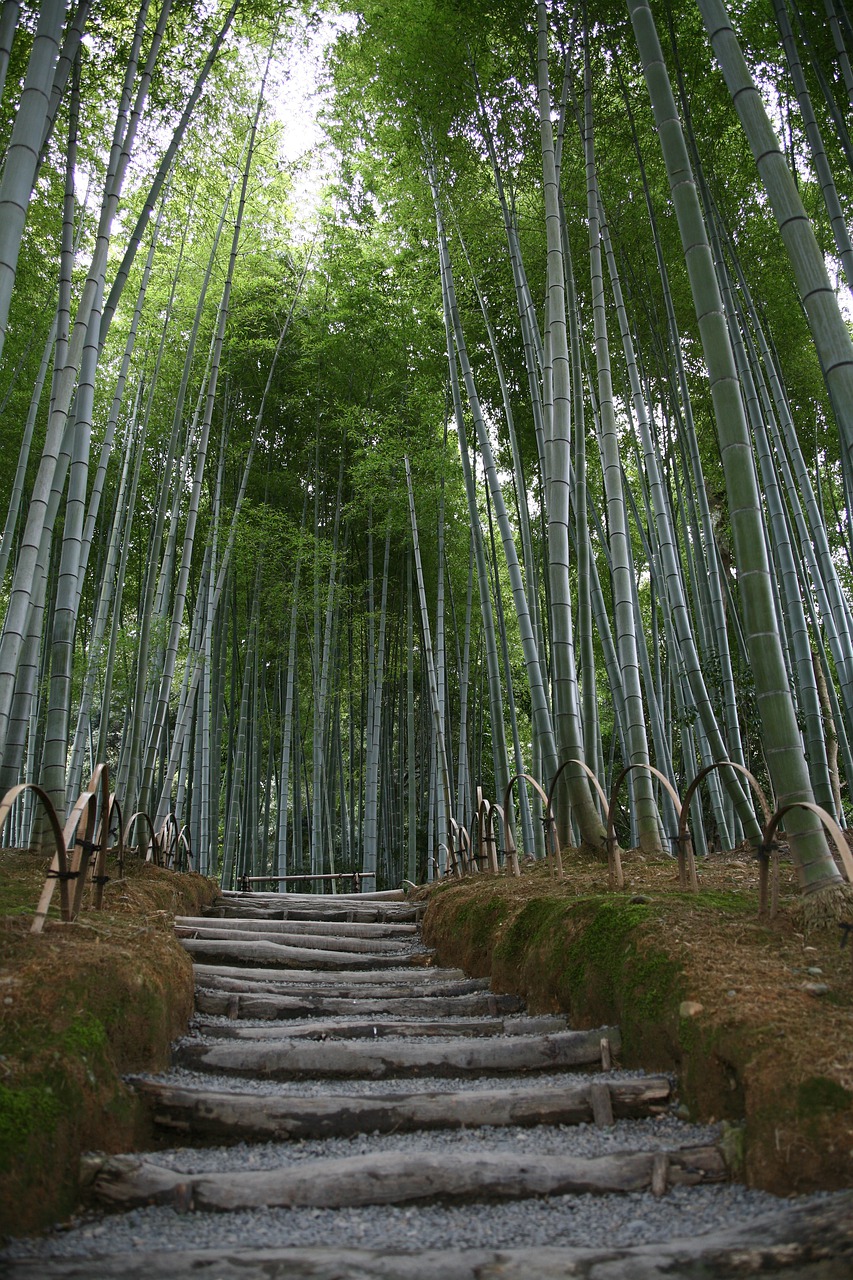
689,1008
682,1111
732,995
816,988
813,969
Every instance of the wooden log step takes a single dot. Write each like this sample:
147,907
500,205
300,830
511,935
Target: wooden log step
812,1241
328,928
413,979
337,909
354,994
221,1117
311,941
266,895
394,1178
297,1059
270,1005
374,913
356,906
372,1028
279,955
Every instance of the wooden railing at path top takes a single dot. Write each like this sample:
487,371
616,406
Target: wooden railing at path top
462,858
93,829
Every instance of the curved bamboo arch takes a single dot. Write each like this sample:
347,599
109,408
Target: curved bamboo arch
98,791
459,856
59,868
769,849
80,857
499,810
153,854
611,812
168,838
114,811
685,844
185,843
486,840
614,860
602,795
547,818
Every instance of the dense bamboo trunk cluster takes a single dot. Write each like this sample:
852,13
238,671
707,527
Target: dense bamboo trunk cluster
535,451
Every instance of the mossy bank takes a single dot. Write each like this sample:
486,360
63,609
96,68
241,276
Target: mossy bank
81,1005
699,986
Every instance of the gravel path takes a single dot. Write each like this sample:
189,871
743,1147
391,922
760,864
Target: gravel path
657,1134
421,1084
585,1221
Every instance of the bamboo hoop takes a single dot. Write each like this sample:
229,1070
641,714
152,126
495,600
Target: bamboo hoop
614,860
59,868
685,844
153,854
548,818
769,849
611,811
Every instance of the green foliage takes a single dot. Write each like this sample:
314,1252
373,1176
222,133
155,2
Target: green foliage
25,1112
818,1094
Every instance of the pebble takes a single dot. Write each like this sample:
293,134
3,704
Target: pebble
582,1221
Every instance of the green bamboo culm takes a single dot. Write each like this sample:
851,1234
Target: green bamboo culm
829,331
782,745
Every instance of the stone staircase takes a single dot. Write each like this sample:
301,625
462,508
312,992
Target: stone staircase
321,1019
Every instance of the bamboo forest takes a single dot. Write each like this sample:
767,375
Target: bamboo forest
494,425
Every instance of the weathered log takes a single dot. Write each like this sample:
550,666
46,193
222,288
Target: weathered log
366,914
396,1178
220,1116
321,899
402,951
371,1028
601,1100
799,1242
271,1005
281,956
327,928
408,981
289,1059
317,906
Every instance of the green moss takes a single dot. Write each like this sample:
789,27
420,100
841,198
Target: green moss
481,918
613,964
821,1094
85,1036
538,920
27,1111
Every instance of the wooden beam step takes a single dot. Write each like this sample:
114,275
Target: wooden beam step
813,1241
374,913
371,1028
383,895
429,980
328,928
298,1059
280,955
393,1178
379,947
221,1117
271,1005
307,906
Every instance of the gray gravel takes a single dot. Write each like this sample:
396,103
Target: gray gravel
580,1221
584,1221
585,1140
211,1081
